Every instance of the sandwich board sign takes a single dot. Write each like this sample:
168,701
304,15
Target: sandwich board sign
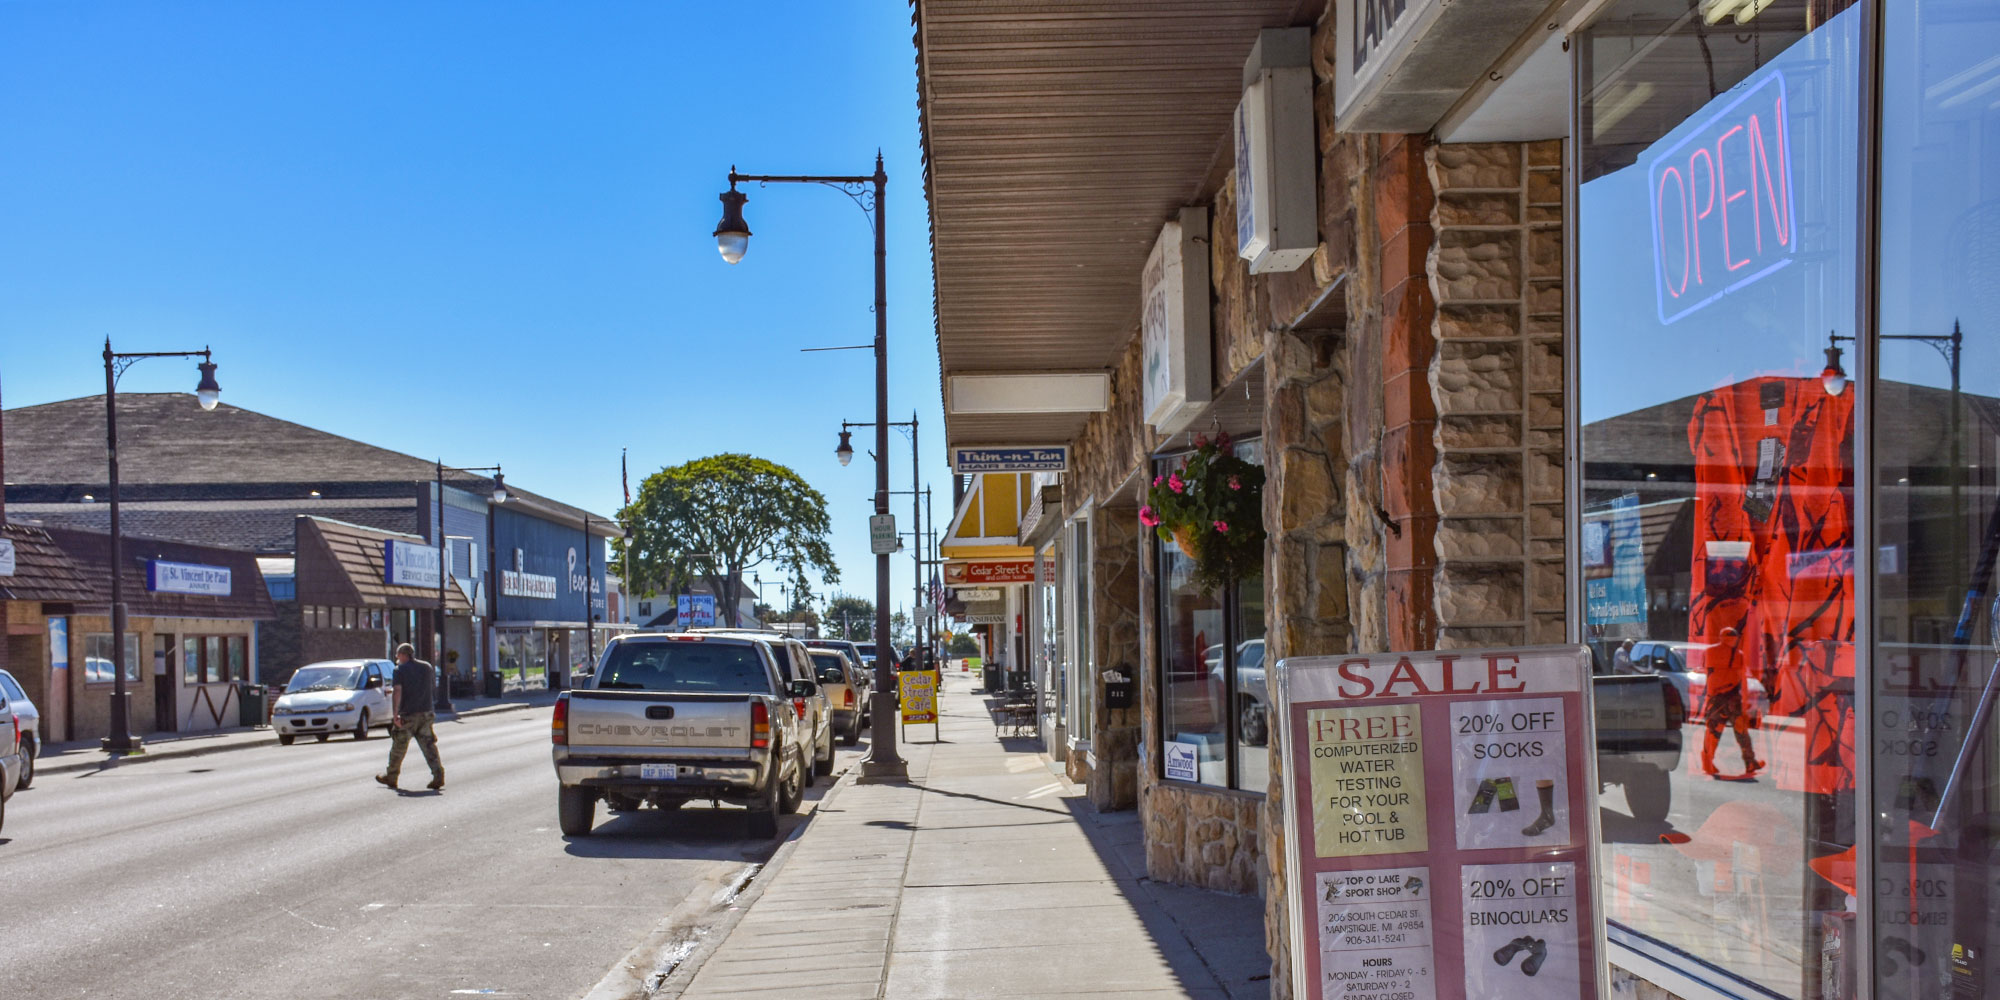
1440,812
919,689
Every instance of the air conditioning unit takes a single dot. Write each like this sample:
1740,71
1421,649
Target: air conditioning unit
1277,197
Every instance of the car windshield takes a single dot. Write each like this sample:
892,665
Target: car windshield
323,679
13,690
678,665
830,667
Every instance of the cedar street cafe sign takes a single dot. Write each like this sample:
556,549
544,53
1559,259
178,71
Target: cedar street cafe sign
1440,814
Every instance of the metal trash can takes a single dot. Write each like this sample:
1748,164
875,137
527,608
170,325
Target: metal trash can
990,676
493,686
252,700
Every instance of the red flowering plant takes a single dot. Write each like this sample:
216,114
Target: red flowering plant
1212,506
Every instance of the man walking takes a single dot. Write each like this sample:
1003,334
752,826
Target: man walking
416,692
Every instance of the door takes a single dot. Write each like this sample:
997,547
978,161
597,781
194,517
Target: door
375,692
57,722
165,711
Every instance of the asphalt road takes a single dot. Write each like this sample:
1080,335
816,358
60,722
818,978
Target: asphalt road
288,872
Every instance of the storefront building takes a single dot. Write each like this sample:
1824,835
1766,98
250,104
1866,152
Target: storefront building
549,601
40,588
1619,320
190,641
359,592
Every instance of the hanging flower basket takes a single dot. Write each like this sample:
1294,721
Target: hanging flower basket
1212,508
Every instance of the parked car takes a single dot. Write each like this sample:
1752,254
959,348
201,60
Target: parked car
839,680
1639,720
864,669
1253,700
336,696
1682,665
31,725
672,718
10,755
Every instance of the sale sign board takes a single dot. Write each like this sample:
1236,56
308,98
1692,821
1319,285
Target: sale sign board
1441,808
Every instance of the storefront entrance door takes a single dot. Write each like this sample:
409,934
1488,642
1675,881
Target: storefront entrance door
164,711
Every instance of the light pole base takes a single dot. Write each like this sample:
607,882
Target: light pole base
131,744
877,772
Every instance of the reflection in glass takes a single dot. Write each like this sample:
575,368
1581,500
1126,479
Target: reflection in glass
1717,232
1253,704
1191,664
1937,523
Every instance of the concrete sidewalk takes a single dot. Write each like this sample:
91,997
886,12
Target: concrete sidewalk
88,755
988,875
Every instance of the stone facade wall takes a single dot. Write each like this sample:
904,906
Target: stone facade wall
1496,377
1116,443
1114,625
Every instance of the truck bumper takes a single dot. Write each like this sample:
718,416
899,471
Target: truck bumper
739,778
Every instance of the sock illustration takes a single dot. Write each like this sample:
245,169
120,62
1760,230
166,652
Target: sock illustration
1505,788
1545,790
1482,799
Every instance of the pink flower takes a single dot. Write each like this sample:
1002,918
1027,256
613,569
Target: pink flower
1157,480
1201,440
1176,483
1148,518
1222,526
1222,441
1234,483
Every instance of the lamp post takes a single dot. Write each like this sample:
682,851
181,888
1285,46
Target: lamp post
443,699
207,393
1951,347
732,240
845,451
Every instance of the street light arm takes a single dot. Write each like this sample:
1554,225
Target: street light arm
121,360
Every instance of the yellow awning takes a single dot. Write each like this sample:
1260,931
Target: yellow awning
987,525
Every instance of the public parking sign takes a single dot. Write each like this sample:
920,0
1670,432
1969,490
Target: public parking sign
1440,812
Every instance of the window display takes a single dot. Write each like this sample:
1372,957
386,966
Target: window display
1717,184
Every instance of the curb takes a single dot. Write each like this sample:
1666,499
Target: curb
681,930
171,752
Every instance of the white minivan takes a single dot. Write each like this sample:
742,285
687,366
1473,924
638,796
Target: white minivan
336,696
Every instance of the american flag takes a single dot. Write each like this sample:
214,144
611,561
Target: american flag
937,593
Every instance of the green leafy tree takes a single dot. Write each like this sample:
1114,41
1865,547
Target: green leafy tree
900,631
963,644
715,518
850,617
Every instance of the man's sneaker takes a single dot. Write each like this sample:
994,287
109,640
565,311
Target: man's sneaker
386,780
437,782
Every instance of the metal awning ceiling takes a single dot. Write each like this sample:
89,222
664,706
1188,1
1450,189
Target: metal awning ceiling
1059,137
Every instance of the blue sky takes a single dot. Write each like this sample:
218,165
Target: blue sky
478,230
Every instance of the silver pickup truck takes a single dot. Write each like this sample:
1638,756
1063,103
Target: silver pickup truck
668,719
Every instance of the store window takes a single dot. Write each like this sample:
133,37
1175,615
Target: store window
1717,168
1214,713
1936,441
97,665
1076,569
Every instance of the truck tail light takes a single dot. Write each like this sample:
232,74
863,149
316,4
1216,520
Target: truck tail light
760,725
848,700
17,730
1676,709
799,706
559,723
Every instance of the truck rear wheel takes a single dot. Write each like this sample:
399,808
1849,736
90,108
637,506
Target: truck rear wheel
791,794
763,821
1649,793
576,810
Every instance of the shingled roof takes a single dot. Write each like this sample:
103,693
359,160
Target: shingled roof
42,571
170,449
341,564
91,552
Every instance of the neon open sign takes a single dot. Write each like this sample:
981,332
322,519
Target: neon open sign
1722,202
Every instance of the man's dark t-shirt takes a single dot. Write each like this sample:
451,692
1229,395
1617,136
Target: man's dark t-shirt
416,687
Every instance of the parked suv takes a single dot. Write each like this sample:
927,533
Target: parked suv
814,712
671,718
839,681
864,675
31,725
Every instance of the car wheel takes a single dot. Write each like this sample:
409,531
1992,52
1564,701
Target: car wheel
361,727
824,765
853,734
792,794
763,818
1251,723
576,810
323,737
285,739
28,749
1649,793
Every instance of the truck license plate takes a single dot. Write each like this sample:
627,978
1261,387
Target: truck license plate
659,772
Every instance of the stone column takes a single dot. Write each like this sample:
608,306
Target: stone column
1114,633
